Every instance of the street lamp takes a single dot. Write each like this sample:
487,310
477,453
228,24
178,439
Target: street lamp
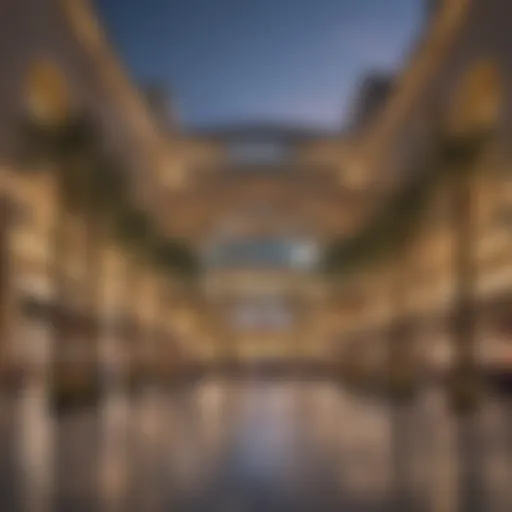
472,120
49,116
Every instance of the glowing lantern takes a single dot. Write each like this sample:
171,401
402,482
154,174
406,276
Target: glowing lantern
47,96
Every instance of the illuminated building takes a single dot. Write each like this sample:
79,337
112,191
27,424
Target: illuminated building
259,203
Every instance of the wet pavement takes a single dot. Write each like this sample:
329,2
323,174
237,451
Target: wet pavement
252,446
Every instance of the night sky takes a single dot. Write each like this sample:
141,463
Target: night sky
286,61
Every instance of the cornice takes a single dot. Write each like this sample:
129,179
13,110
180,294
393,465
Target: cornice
438,40
87,29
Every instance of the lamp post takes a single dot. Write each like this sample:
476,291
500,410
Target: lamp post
9,216
472,121
48,108
402,382
65,141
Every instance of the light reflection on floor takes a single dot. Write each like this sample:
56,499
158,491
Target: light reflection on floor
221,446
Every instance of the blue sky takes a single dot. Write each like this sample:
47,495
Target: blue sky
287,61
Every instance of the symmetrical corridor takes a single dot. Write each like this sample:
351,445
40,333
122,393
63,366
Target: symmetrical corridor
255,315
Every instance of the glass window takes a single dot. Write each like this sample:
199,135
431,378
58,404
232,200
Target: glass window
281,253
258,152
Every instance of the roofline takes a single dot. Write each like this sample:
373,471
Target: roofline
265,131
429,57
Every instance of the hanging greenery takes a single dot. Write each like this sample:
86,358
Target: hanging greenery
137,233
82,162
174,255
48,144
399,219
133,229
390,228
107,188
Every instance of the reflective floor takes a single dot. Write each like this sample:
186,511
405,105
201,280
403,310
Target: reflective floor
253,446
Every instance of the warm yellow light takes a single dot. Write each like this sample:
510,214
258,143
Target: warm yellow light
477,101
47,96
174,176
354,174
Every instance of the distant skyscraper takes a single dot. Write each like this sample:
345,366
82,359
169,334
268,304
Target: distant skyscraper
375,90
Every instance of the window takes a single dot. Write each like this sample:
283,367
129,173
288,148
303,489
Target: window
271,253
258,152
